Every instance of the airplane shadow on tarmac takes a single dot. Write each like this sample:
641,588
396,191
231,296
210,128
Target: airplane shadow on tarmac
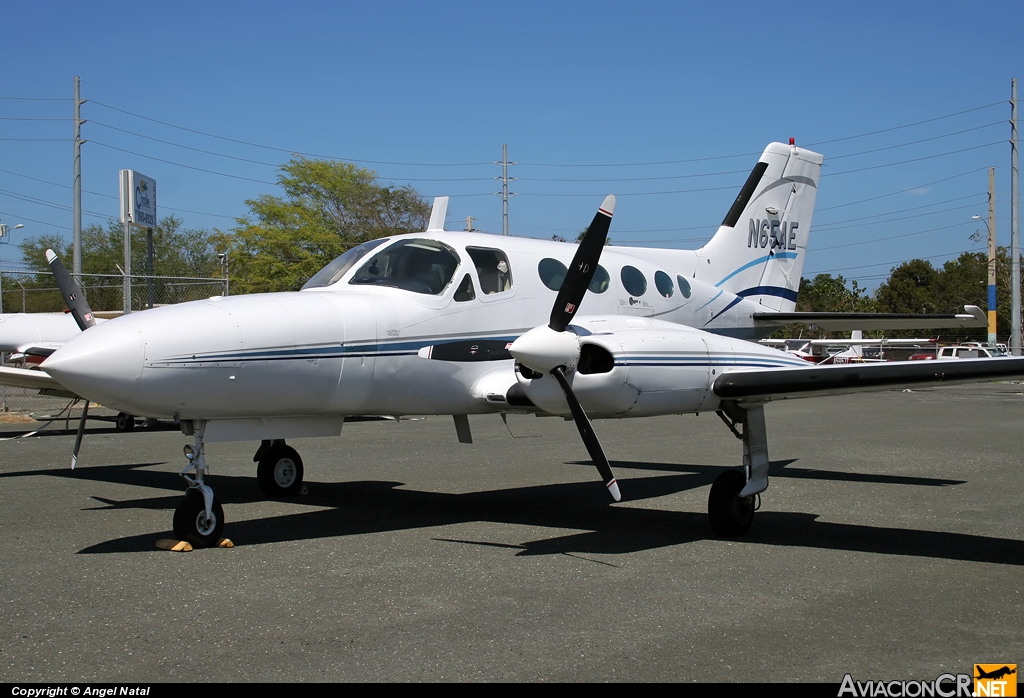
354,508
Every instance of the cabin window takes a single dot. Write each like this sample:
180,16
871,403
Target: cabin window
663,282
336,269
601,280
492,269
465,291
417,265
633,280
684,286
552,273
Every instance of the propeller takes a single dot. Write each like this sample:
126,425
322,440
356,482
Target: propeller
552,349
71,291
82,313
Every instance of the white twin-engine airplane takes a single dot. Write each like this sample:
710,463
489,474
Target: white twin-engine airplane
457,323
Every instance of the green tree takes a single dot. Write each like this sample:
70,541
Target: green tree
911,288
327,207
177,252
827,294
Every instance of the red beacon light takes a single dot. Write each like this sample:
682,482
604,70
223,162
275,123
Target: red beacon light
792,141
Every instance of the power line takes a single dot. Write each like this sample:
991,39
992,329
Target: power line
903,191
179,164
111,196
903,210
844,226
892,237
901,261
40,99
916,123
288,150
904,162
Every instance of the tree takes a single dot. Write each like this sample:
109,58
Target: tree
177,252
910,289
327,207
826,294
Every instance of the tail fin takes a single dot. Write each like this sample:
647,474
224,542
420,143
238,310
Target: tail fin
758,252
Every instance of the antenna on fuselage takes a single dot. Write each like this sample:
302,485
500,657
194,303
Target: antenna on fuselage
437,214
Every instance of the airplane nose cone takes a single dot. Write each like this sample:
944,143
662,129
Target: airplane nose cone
103,364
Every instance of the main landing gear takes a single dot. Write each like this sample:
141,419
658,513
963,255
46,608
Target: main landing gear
199,518
278,470
734,493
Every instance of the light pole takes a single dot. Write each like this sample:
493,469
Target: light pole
4,231
223,257
991,279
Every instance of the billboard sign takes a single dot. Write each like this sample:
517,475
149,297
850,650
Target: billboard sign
138,199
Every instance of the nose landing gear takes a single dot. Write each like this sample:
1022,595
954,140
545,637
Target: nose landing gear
199,518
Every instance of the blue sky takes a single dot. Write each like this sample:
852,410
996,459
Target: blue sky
588,97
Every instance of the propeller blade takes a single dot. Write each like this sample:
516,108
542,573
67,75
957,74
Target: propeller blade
581,271
71,291
587,432
81,433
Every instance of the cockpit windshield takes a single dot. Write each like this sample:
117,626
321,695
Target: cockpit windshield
417,265
336,269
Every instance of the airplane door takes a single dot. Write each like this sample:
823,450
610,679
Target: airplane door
355,385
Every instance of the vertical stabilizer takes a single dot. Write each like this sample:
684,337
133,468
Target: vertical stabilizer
758,252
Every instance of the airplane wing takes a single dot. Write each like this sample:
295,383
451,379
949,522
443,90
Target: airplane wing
972,317
785,383
38,348
33,379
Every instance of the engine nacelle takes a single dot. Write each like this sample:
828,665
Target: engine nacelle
631,367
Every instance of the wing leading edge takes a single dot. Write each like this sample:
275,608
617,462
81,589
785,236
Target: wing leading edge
972,317
783,383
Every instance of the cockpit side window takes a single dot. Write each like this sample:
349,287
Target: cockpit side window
337,269
492,269
465,291
417,265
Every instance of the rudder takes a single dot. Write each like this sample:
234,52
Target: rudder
758,252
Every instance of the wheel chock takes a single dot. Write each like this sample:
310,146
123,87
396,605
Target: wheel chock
181,546
177,546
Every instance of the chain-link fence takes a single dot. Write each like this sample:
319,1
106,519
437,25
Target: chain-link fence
26,292
22,292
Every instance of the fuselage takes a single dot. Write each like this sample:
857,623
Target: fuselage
352,346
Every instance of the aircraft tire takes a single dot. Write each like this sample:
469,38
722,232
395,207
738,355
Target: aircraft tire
279,472
730,514
124,422
191,524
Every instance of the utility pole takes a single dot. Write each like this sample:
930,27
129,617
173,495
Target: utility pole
149,267
1014,224
76,267
505,179
992,256
469,224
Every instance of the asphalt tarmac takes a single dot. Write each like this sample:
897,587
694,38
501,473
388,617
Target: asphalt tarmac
889,545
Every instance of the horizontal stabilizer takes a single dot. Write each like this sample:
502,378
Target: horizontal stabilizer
779,383
972,317
39,348
33,379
